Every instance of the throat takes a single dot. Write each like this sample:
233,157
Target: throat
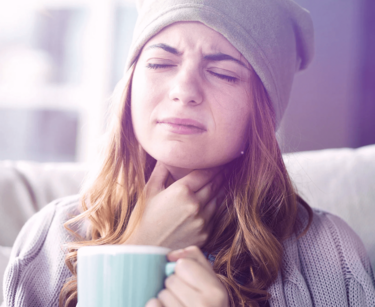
176,173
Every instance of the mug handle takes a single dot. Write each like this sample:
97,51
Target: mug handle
169,268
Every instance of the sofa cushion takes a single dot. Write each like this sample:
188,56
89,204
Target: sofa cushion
25,187
342,182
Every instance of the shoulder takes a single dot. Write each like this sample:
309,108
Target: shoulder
50,218
330,237
328,265
36,270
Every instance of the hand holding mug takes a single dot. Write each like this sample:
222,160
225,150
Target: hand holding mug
178,216
194,283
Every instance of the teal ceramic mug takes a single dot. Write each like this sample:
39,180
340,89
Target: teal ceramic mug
121,275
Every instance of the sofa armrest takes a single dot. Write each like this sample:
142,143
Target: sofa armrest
26,187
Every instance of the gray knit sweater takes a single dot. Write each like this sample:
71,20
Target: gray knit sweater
326,267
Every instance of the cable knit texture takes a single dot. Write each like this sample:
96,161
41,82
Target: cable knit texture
327,267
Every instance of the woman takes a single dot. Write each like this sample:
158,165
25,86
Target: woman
192,164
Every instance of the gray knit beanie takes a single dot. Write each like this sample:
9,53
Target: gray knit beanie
275,36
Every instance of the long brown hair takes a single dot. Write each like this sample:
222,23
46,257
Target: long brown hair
259,210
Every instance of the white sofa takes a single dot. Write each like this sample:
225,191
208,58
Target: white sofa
341,181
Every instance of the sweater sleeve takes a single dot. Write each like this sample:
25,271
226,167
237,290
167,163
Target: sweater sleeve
36,270
335,264
355,263
328,266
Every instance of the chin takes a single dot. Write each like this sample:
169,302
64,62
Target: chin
180,160
190,158
183,163
190,162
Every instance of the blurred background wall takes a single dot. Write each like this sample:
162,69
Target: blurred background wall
60,60
333,102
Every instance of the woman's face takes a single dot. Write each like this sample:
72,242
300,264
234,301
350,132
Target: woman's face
191,99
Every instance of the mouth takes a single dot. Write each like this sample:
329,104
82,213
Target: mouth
182,125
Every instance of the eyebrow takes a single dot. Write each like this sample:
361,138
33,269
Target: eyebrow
223,57
166,48
210,57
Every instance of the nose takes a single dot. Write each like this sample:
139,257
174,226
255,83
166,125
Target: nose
186,88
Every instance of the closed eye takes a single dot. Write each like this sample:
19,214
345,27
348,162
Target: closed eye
224,77
220,76
157,66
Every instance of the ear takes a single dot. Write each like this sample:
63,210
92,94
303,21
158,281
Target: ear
139,4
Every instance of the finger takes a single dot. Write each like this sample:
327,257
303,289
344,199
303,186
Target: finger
168,299
198,178
208,192
195,274
157,180
208,211
186,294
192,252
154,302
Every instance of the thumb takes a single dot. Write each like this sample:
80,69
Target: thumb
157,180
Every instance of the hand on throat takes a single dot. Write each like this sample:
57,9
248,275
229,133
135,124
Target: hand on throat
176,173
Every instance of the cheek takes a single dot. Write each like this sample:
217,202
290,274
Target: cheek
146,100
147,91
232,128
139,95
141,99
139,105
232,114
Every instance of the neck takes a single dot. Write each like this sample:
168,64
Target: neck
176,173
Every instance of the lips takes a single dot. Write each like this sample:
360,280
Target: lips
183,122
184,126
